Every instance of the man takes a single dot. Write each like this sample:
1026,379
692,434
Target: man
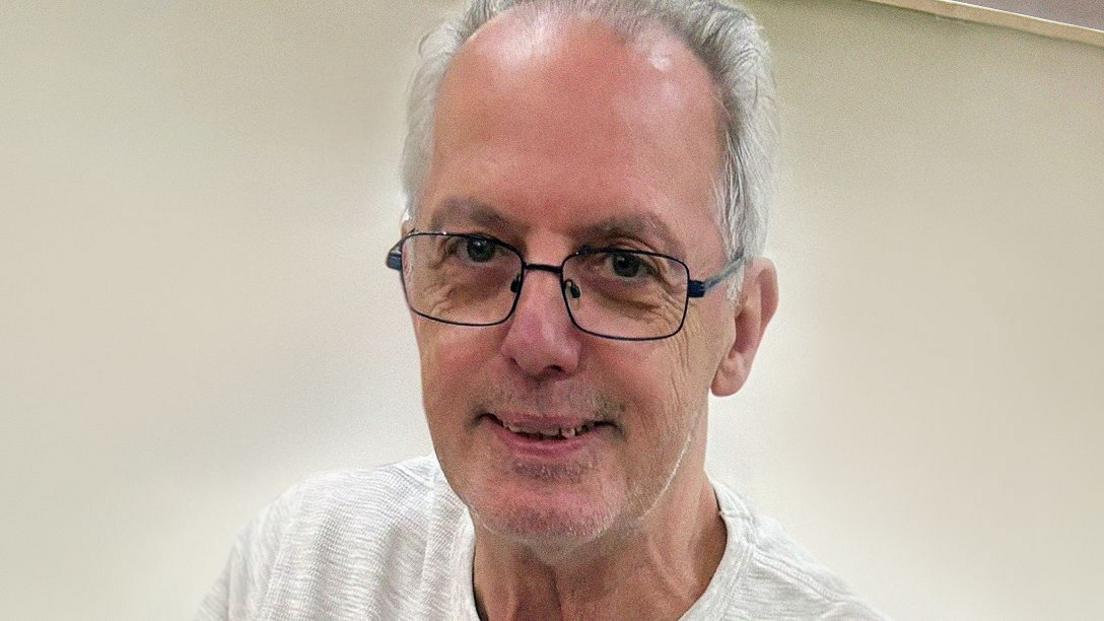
586,185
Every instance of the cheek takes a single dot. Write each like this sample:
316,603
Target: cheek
709,334
451,357
661,391
686,364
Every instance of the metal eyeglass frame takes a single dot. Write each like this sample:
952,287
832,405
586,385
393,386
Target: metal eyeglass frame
694,288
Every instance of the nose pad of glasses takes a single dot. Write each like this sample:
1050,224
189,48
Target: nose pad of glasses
572,289
515,285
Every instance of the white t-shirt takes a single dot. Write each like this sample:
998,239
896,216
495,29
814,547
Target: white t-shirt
396,543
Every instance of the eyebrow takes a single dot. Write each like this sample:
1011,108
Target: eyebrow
471,211
638,224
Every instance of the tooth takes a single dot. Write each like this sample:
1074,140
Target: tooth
568,433
511,428
550,434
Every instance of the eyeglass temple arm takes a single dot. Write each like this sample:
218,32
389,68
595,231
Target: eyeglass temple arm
698,288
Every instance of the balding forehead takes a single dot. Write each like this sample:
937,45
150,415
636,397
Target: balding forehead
634,22
627,19
585,57
530,31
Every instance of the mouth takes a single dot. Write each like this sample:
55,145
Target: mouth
542,429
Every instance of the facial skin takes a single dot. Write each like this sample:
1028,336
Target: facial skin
551,135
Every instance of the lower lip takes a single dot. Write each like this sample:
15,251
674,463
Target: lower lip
557,448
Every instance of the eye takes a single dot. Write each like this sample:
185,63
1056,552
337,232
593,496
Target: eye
479,250
628,265
625,265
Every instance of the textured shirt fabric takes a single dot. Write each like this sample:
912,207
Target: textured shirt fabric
397,543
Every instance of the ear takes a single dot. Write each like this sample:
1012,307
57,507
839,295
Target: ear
753,311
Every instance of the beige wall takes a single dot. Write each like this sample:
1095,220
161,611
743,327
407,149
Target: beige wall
1087,13
195,200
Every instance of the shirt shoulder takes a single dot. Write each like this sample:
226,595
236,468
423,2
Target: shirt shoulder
347,544
768,576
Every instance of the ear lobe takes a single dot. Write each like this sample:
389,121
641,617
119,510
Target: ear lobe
756,305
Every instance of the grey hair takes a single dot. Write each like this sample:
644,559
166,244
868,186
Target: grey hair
724,37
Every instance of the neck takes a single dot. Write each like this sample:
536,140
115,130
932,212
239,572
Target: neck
655,569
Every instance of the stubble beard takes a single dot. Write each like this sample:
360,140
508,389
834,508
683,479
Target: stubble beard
547,525
615,501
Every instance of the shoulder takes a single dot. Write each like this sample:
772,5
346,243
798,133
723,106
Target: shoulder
322,512
372,497
338,517
357,537
775,578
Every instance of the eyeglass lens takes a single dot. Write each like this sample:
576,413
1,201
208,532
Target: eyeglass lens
475,281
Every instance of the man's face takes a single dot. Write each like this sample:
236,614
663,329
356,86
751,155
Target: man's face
551,137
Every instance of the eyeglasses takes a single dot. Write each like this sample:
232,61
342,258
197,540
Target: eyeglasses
475,280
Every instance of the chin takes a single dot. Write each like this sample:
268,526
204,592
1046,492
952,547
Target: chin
541,515
544,531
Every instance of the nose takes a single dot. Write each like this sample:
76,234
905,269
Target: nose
540,338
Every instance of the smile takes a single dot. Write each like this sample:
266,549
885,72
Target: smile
551,434
546,430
